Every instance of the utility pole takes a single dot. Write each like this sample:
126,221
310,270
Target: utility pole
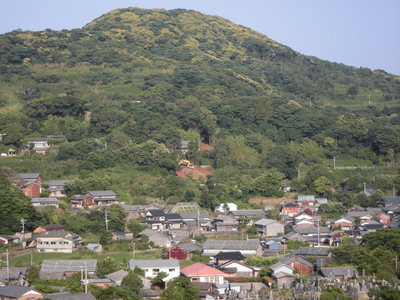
334,162
369,99
23,231
298,174
106,220
8,266
365,188
84,277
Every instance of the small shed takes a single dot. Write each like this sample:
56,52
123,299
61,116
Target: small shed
273,245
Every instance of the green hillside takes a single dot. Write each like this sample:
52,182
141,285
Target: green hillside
129,86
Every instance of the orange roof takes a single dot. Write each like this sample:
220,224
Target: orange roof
199,269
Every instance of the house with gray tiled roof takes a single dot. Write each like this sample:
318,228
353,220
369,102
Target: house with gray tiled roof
152,267
103,197
269,227
69,296
18,292
245,247
61,268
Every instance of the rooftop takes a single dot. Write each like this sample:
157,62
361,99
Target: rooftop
248,212
102,193
14,291
150,263
199,269
68,265
231,245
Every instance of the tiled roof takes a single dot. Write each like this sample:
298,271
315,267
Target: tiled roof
14,273
189,247
68,265
236,255
102,193
117,276
58,182
69,296
151,263
231,245
14,291
28,175
265,222
249,212
346,271
199,269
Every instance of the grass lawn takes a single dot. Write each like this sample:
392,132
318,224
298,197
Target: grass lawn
37,258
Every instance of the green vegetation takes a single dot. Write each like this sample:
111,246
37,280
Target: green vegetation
376,254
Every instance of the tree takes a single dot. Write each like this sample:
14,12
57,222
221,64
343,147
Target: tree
135,227
269,183
334,293
158,280
105,238
180,288
322,185
13,207
132,282
352,91
117,217
106,266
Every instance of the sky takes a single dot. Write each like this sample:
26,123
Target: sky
360,33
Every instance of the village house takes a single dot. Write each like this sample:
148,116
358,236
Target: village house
224,257
121,236
245,247
14,275
345,223
342,272
225,223
182,251
102,198
11,292
117,277
9,239
30,183
321,254
159,239
57,241
199,272
239,269
57,188
248,215
152,267
96,248
100,282
299,264
139,211
226,207
40,202
61,269
49,227
200,219
69,296
269,227
290,209
39,145
306,200
283,280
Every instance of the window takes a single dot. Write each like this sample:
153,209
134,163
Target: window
171,270
53,243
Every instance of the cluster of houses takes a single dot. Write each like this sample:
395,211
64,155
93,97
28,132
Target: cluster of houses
32,186
228,268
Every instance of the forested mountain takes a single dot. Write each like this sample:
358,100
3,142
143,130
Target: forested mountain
142,80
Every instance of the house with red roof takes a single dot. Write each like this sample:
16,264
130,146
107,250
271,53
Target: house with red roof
199,272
